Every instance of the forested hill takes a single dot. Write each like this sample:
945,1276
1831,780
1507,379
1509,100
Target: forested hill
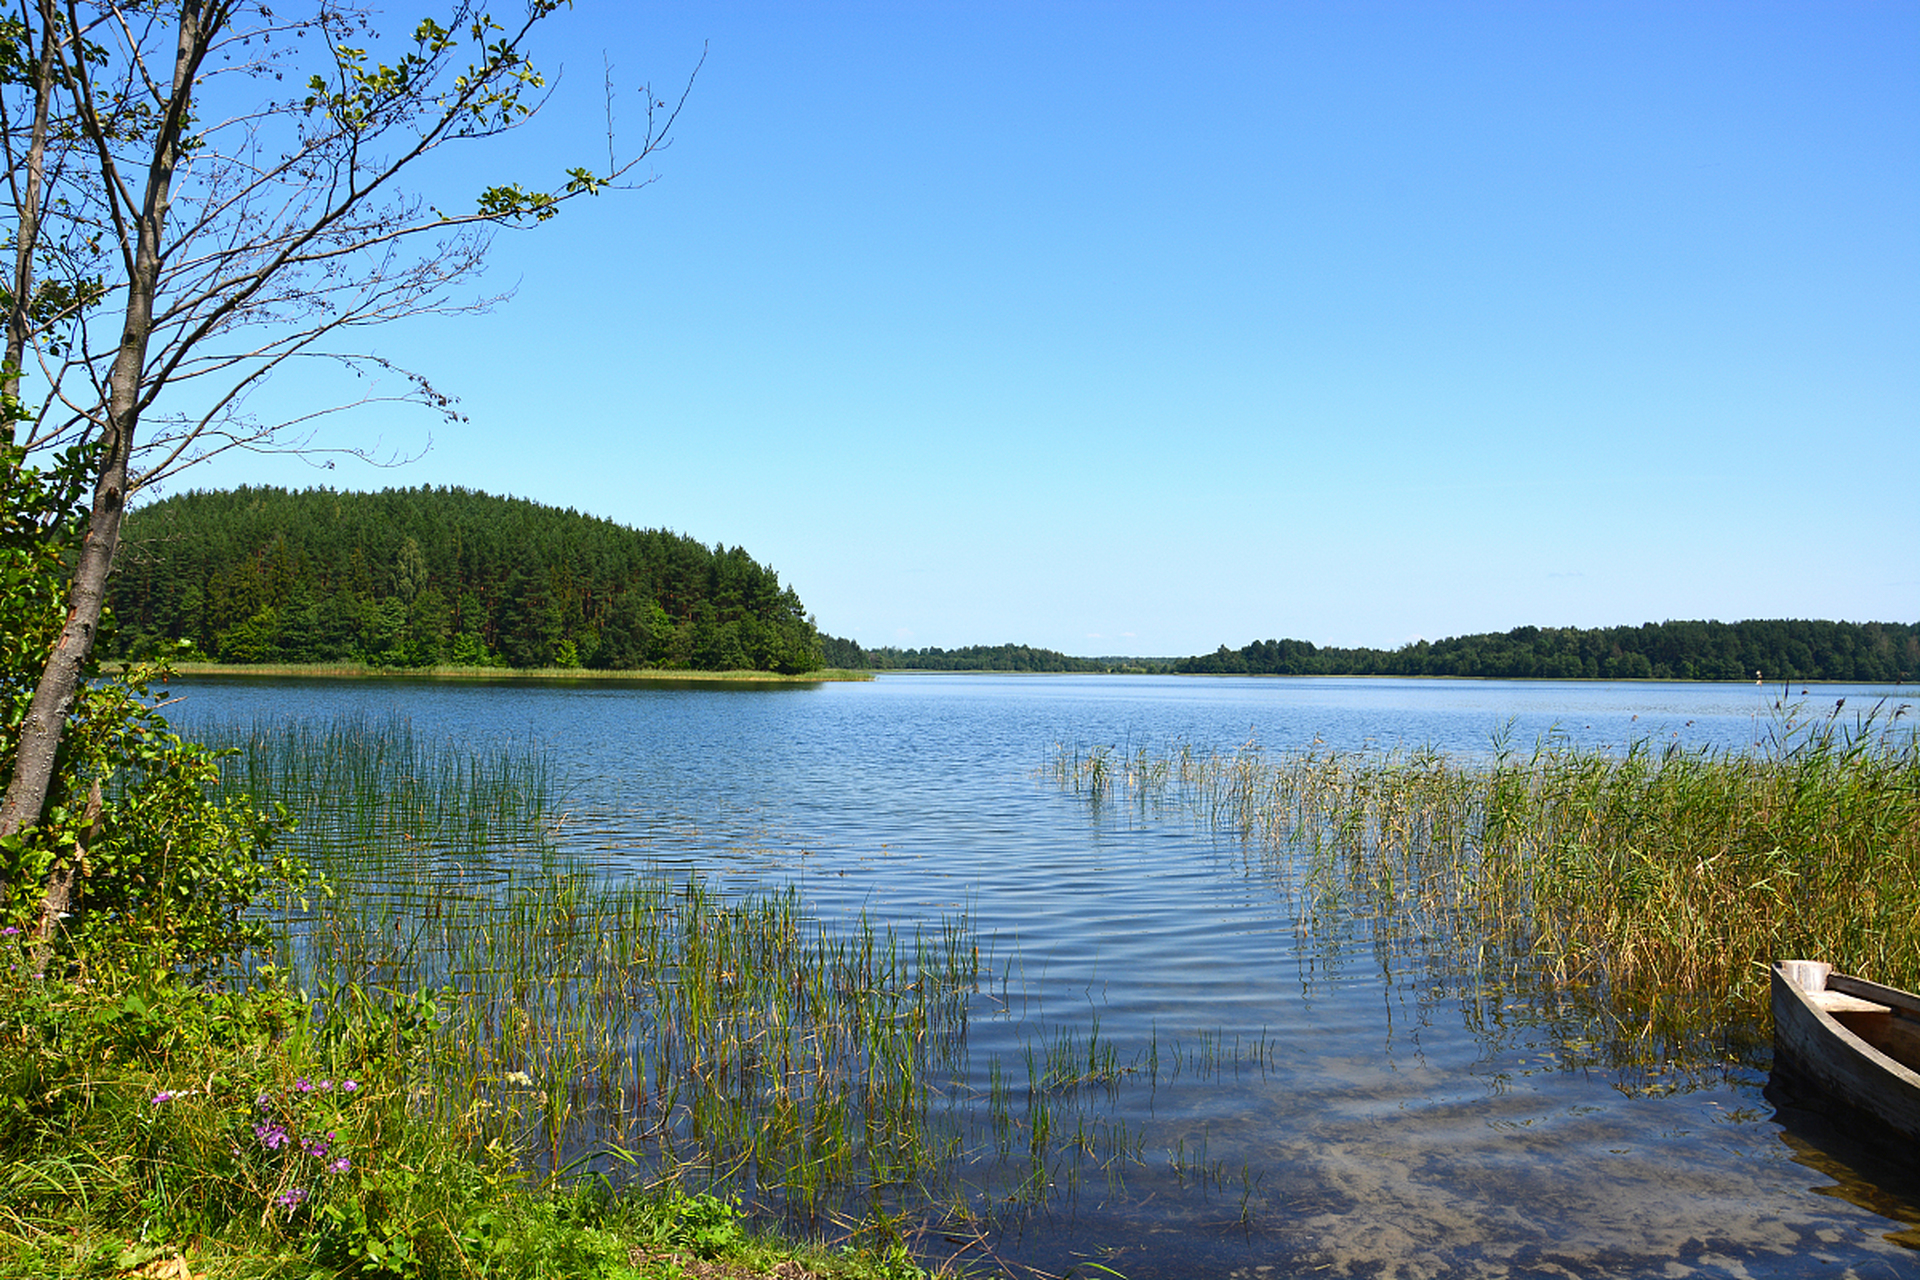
418,577
1869,652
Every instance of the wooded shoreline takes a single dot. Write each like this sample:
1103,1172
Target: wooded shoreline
359,671
825,675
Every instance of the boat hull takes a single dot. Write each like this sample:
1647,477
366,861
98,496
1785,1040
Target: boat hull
1848,1045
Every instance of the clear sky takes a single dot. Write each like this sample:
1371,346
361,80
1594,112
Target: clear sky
1142,328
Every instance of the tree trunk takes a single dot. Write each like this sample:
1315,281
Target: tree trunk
66,883
59,684
27,229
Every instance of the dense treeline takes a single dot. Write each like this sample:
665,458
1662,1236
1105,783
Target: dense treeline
846,655
978,657
1869,652
419,577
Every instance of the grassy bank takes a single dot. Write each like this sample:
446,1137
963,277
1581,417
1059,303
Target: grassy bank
469,1060
1651,889
359,671
158,1129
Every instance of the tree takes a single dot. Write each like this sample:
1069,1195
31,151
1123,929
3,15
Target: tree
182,227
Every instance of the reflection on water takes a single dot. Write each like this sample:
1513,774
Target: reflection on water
1852,1165
1291,1094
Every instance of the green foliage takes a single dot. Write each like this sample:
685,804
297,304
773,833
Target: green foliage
350,1129
702,1225
422,577
1868,652
842,655
151,1106
166,864
155,858
143,1116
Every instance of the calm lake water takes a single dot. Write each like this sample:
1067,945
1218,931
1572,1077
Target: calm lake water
1325,1103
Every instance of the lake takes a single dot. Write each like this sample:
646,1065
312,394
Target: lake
1322,1100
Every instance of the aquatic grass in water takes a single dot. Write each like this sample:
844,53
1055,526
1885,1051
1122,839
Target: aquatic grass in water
1652,887
655,1029
366,786
658,1029
661,1031
1346,1141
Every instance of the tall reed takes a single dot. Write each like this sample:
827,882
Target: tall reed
369,795
1657,883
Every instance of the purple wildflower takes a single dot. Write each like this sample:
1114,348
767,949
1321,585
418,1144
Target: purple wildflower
326,1086
272,1136
350,1085
164,1096
303,1084
291,1198
314,1147
9,931
340,1166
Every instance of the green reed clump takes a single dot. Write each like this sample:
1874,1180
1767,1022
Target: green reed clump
1661,881
661,1027
369,793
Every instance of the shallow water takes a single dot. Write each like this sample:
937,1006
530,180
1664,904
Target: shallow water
1322,1101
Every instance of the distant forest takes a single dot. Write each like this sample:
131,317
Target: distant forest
978,657
420,577
1869,652
423,577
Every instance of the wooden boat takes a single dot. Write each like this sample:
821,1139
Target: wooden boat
1848,1045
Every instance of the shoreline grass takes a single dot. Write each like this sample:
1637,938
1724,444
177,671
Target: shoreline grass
157,1127
360,671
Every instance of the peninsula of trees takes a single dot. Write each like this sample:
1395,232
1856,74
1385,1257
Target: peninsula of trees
428,576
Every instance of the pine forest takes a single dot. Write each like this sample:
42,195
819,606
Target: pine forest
430,576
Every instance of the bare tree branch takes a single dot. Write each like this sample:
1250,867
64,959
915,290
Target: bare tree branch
183,228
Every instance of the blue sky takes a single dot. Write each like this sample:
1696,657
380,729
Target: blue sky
1144,328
